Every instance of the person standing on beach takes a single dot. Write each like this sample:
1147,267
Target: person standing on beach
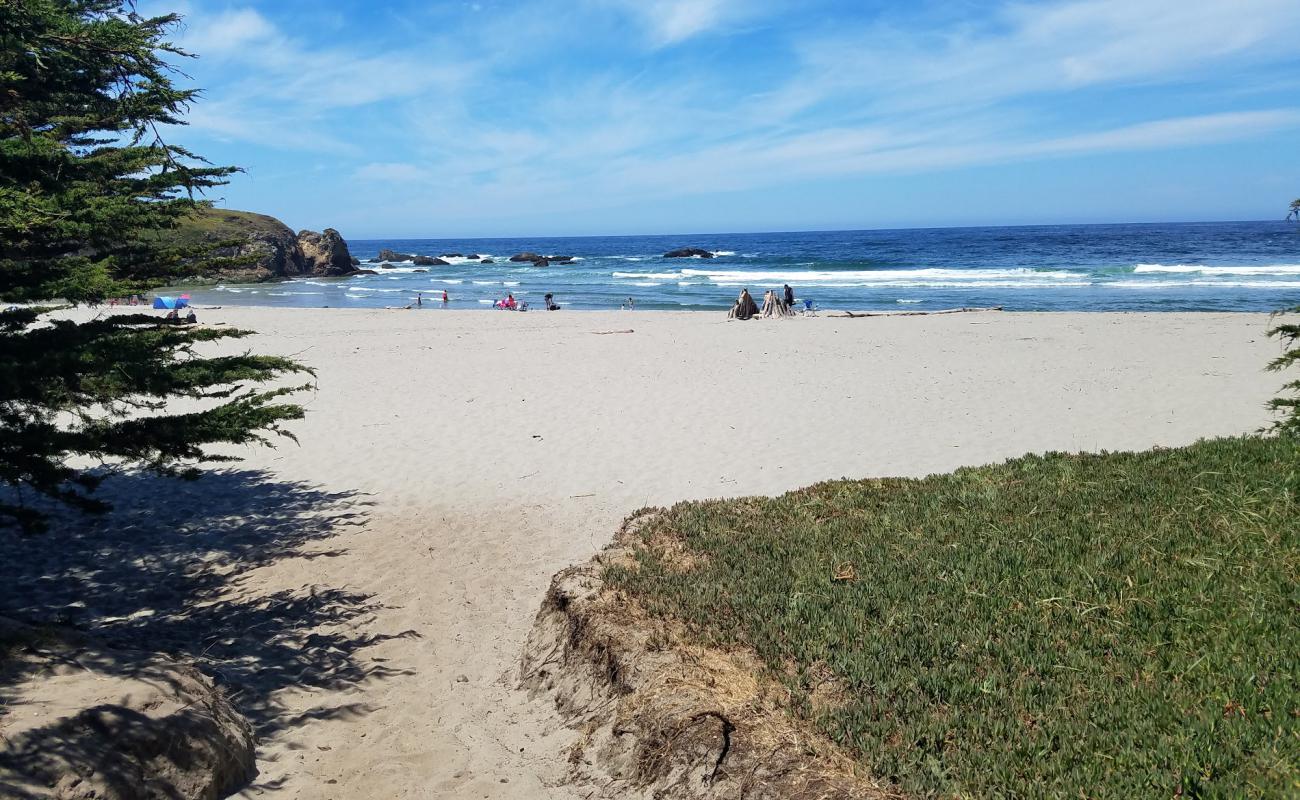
789,296
419,298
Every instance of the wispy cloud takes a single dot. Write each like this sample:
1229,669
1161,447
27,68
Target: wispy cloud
488,110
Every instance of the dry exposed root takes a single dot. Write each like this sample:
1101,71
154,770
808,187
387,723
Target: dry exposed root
666,719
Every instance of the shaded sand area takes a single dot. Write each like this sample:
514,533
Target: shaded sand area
364,595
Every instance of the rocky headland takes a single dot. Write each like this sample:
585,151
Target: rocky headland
257,247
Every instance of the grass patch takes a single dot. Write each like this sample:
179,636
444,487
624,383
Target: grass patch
1115,625
219,224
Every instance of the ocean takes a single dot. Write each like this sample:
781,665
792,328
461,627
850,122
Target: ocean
1234,266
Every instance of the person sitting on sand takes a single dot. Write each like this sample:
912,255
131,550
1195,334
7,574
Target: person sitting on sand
172,316
191,318
745,308
550,302
510,303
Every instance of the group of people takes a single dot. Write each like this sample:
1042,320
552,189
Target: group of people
511,304
507,303
174,318
774,305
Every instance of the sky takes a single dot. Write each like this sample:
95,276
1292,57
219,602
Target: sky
602,117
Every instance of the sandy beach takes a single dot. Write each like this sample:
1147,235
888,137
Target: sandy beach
459,459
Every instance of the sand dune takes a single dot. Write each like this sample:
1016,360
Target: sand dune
484,451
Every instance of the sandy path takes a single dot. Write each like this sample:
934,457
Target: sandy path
498,448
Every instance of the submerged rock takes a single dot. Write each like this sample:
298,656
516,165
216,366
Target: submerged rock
688,252
429,261
525,256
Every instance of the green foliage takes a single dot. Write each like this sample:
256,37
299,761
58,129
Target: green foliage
1117,625
1288,405
1294,211
88,192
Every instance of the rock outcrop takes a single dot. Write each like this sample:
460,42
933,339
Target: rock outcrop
688,252
324,254
429,261
537,260
256,247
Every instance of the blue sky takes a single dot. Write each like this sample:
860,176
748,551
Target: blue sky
486,118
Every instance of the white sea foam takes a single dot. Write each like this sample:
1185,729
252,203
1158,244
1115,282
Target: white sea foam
724,252
938,285
1198,269
485,283
487,302
909,301
507,283
1204,284
448,280
647,284
647,275
923,277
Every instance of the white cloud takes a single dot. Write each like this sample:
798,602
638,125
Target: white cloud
227,33
668,22
1039,48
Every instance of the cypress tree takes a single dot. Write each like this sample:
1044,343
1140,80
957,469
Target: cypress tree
89,189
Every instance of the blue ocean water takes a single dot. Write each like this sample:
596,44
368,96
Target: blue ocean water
1236,266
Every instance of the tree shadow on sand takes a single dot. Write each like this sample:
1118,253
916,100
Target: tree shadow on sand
168,571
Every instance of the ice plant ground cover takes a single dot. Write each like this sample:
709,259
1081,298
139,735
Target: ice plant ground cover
1112,625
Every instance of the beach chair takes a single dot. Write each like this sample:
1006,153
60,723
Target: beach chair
809,308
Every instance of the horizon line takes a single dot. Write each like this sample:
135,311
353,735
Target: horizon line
821,230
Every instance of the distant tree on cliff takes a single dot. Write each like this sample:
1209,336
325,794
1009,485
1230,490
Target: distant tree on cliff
86,185
1295,210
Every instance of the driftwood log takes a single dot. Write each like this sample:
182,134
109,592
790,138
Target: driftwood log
856,314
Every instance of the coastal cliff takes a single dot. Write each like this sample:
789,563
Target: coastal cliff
270,249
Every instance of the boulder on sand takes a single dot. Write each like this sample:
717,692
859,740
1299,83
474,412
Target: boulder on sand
688,252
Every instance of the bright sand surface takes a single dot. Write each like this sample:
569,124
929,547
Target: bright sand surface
492,449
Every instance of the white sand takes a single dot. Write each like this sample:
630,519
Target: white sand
499,448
